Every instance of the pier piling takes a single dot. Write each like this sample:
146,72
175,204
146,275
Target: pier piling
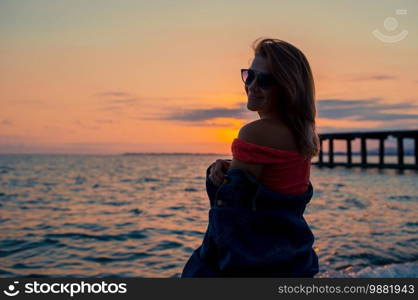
400,135
349,154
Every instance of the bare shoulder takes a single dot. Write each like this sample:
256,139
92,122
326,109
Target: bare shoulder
264,133
269,133
247,133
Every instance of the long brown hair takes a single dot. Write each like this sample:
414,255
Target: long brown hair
296,105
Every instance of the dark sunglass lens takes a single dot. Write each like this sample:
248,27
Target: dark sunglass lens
249,77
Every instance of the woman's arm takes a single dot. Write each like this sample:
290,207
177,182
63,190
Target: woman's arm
253,169
250,133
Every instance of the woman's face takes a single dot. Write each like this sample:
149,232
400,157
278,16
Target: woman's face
261,100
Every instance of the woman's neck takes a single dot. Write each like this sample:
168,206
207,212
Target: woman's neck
269,116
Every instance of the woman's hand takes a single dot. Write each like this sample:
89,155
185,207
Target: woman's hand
218,169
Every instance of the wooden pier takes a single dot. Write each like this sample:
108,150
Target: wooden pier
363,136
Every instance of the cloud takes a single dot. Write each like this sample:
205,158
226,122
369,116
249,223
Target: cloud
372,109
367,109
6,122
18,139
79,123
214,124
118,98
119,101
125,100
113,94
125,97
206,114
31,103
376,77
105,121
111,108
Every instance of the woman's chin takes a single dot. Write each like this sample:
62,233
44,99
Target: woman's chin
252,107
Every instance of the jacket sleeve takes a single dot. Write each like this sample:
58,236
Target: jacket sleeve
203,261
211,188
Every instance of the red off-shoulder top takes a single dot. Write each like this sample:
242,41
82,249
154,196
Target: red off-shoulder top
285,172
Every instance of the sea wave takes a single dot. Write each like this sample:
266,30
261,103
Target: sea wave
402,270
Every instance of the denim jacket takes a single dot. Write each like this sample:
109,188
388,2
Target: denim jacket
253,232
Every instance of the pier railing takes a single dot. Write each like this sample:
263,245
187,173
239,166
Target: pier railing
381,136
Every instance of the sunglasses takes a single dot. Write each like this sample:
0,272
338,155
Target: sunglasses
264,80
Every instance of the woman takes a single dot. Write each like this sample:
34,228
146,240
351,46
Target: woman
256,227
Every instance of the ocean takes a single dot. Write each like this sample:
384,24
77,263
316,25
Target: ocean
143,215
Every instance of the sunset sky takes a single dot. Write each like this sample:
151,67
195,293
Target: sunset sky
101,76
